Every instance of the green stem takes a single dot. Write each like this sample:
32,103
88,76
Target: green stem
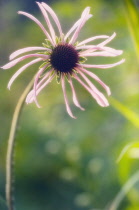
10,149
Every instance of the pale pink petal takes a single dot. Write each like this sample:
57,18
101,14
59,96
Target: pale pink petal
102,53
108,40
41,70
21,70
74,27
26,49
110,51
87,47
30,97
44,78
87,9
48,22
38,23
89,50
100,95
71,30
92,39
105,66
54,16
92,48
65,98
31,93
97,79
84,18
41,86
94,95
17,60
75,100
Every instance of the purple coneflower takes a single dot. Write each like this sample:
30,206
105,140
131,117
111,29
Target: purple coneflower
63,57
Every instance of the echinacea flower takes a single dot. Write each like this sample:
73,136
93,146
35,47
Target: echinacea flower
63,57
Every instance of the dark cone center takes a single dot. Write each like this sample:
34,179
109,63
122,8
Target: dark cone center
64,58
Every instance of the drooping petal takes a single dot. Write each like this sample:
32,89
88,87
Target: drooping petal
21,70
26,49
48,22
36,82
44,78
75,100
92,39
65,98
38,23
105,66
17,60
100,95
97,79
94,95
83,20
30,96
31,93
54,16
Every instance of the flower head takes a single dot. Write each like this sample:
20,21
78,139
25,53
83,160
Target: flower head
63,57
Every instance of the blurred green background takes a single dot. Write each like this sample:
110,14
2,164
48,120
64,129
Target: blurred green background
67,164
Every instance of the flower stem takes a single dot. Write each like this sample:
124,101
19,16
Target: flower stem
10,149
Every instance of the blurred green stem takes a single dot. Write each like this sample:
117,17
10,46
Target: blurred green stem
10,149
132,17
125,189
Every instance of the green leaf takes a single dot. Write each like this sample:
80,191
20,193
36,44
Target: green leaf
126,112
130,150
123,152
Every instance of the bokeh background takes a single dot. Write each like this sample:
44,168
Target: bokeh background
90,163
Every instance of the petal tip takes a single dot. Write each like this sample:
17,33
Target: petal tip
37,2
122,61
90,15
108,91
38,106
9,87
74,117
3,67
10,57
88,8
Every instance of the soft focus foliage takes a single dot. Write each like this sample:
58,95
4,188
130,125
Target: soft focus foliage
63,163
